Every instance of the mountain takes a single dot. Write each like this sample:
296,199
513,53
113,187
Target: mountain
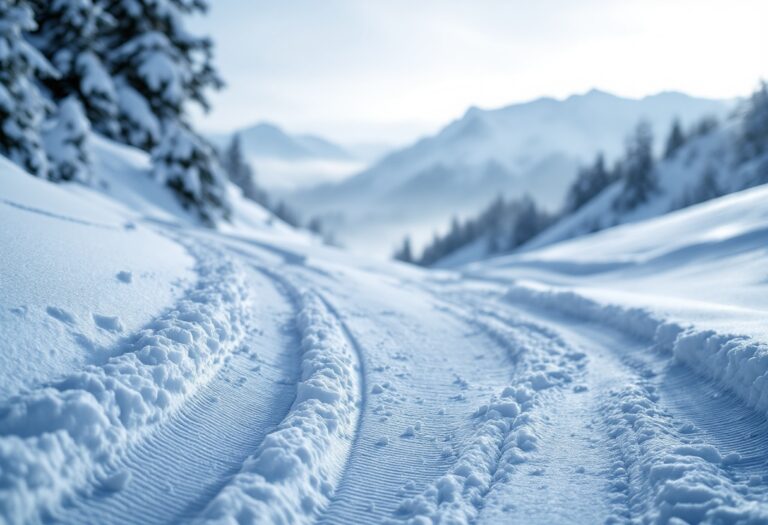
533,147
266,140
286,161
698,164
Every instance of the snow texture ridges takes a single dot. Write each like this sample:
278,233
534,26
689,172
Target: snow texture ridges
669,479
503,435
291,478
738,363
58,438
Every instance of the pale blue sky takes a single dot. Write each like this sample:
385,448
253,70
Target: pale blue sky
390,70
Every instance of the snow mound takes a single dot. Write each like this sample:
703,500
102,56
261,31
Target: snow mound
681,481
292,476
58,438
736,362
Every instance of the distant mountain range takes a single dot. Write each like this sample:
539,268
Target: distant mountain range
286,161
266,140
533,147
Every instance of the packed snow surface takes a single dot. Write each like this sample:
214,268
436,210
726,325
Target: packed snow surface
152,371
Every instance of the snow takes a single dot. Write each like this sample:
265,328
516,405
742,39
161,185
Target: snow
61,273
291,478
66,431
154,371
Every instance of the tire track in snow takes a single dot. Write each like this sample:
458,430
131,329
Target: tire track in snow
688,448
570,477
692,450
354,343
189,458
720,418
293,474
423,368
509,432
67,435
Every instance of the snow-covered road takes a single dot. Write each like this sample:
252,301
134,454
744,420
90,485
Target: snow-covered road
280,382
469,407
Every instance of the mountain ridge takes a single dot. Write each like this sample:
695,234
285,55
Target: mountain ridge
526,140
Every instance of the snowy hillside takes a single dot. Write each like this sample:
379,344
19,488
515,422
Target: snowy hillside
124,176
704,167
156,372
285,161
532,148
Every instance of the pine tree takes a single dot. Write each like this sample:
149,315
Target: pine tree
240,172
589,182
159,68
66,143
529,222
22,107
492,220
158,65
709,187
704,126
637,169
69,35
675,140
754,131
404,253
285,213
187,164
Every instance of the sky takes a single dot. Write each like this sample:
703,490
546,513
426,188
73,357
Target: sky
388,71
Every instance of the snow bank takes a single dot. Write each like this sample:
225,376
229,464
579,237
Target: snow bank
738,363
292,476
56,439
678,479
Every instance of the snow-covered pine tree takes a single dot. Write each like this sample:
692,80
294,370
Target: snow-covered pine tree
675,140
404,253
529,222
241,173
22,107
589,182
637,169
66,138
753,140
158,65
159,68
187,164
69,35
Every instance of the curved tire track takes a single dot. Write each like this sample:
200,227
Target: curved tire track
175,471
683,446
